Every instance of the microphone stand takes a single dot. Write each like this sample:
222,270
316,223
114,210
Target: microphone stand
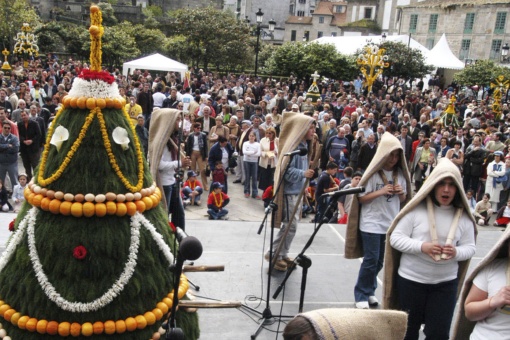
271,208
304,261
174,332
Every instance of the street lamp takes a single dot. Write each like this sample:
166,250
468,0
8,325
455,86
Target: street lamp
260,17
383,38
504,53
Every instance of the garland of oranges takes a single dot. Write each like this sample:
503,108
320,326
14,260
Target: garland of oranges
104,132
91,103
75,329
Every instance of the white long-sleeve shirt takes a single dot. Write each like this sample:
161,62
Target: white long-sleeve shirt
251,152
414,229
167,168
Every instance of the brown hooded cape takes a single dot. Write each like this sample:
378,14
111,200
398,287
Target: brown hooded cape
389,143
444,169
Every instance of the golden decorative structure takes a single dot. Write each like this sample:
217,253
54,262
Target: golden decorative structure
96,31
5,65
449,116
372,63
26,43
313,91
499,85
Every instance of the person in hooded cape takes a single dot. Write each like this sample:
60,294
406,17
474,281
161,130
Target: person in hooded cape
485,297
295,133
422,276
388,186
164,125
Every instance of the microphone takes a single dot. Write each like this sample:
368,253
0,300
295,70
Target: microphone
190,248
300,151
338,193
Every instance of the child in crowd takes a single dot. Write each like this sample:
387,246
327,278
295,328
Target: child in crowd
483,211
219,175
17,193
192,190
4,198
267,196
216,203
503,216
345,201
309,201
471,200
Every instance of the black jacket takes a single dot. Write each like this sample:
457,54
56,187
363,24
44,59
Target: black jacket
191,140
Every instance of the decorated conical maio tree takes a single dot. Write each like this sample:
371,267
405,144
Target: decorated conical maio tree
91,249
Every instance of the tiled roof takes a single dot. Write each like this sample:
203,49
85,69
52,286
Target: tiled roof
299,20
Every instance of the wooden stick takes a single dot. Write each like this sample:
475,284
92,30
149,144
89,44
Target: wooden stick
432,222
203,268
209,304
453,230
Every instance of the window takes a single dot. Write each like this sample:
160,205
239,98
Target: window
333,34
430,43
368,13
291,9
293,35
469,23
464,49
413,22
319,35
321,20
300,13
500,22
433,23
306,36
495,49
339,9
302,1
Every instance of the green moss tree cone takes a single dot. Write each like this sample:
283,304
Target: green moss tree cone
42,276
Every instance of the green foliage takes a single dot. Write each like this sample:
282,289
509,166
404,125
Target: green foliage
481,73
13,13
153,11
147,40
366,23
407,63
62,36
303,59
109,18
214,36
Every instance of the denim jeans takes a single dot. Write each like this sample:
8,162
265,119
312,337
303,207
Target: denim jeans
431,304
187,192
217,214
250,171
373,258
174,206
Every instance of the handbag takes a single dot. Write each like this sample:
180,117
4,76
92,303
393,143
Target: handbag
232,162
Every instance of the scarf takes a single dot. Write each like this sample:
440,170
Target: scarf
444,169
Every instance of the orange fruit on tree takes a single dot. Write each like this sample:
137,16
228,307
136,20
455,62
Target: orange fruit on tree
88,209
111,208
120,326
75,329
31,325
45,204
15,318
101,103
140,206
8,313
41,326
22,322
109,327
65,208
87,329
91,103
77,209
131,208
150,317
131,324
121,209
141,322
98,327
55,206
73,101
64,328
52,328
82,103
100,209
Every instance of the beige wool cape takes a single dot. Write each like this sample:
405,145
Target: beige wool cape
294,128
463,327
444,169
357,324
389,143
161,128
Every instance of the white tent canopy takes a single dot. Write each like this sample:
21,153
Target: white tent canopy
155,62
442,57
350,44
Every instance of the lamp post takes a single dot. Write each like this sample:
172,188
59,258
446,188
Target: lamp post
504,53
271,26
383,38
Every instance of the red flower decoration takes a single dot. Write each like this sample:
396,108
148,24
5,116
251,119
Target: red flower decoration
97,75
11,225
172,226
80,252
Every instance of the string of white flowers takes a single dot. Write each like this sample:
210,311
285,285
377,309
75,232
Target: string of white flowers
107,297
94,88
16,238
157,237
